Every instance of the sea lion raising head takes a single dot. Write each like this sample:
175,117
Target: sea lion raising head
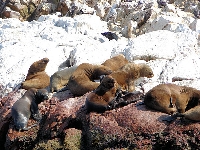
99,99
37,77
126,75
27,106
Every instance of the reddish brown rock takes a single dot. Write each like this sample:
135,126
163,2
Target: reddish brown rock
133,127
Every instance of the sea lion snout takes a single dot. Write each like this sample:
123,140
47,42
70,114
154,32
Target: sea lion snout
45,60
150,75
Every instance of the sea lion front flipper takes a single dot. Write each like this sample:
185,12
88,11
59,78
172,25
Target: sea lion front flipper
63,89
171,118
37,117
27,128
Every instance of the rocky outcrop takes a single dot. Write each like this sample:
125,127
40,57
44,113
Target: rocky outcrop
66,125
162,34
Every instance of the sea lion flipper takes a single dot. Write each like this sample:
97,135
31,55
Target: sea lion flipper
27,128
37,117
170,118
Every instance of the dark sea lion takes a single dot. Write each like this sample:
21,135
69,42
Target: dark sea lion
27,106
99,99
110,35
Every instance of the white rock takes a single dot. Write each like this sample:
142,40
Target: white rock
161,44
55,37
195,25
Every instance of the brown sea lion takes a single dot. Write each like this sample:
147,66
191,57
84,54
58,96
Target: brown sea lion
99,99
60,78
163,98
82,79
126,75
27,106
115,62
171,98
191,114
37,77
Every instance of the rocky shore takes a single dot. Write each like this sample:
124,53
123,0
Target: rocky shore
162,34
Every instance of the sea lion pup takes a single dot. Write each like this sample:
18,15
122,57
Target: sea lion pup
60,78
115,62
37,77
82,79
27,106
99,99
126,75
170,98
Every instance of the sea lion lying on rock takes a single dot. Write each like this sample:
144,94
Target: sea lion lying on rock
37,77
60,78
82,79
126,75
170,98
115,62
27,106
191,114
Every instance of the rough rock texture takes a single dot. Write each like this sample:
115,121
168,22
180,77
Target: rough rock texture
65,125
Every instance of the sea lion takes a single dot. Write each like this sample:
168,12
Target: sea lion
115,62
37,77
171,98
82,79
163,98
99,99
60,78
127,74
27,106
191,114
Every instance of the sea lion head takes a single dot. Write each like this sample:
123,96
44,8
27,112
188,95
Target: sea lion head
108,82
38,66
146,71
41,95
103,70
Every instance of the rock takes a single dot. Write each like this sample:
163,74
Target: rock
72,139
65,124
162,34
57,116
